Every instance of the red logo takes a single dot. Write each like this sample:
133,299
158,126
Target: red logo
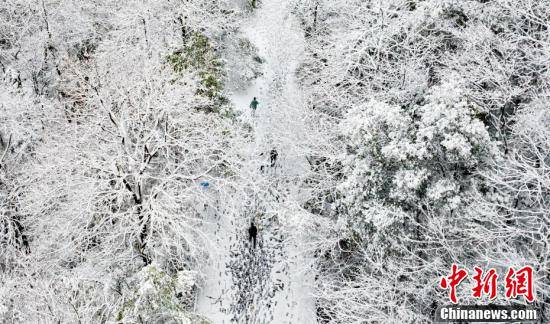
485,284
518,283
453,280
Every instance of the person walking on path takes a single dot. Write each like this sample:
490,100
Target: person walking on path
252,233
254,105
273,157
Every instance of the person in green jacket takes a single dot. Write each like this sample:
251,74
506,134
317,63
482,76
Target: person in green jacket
254,105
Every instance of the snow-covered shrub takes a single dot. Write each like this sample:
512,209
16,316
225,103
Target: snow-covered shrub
157,297
409,157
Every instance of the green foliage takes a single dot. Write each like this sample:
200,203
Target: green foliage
198,57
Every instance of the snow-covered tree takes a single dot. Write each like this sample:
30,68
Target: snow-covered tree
408,172
426,93
104,140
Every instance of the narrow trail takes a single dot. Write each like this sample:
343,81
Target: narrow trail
272,283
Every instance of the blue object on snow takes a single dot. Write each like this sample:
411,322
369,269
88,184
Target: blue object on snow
205,184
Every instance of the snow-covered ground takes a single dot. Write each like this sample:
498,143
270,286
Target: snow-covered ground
272,283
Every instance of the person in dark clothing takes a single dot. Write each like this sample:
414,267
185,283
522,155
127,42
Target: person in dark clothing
273,157
252,233
254,105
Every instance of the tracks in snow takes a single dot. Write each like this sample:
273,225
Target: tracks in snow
272,283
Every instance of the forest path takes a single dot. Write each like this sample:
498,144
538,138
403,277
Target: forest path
272,283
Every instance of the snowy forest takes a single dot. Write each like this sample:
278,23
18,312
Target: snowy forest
269,161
